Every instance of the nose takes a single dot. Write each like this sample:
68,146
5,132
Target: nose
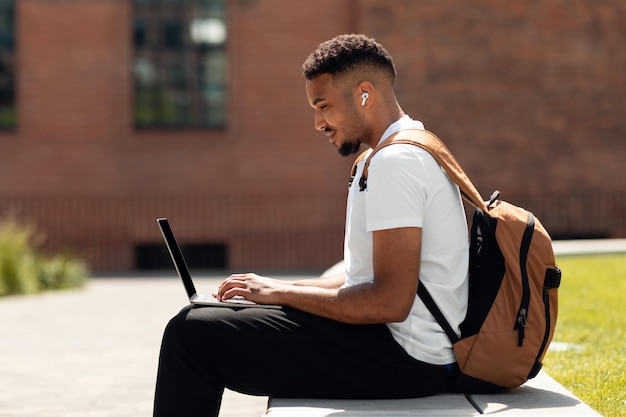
319,121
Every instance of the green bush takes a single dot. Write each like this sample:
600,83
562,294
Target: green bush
61,272
23,270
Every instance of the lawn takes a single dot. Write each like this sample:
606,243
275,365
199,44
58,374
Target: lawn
592,327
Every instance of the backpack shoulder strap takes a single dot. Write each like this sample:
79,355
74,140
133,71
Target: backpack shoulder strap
427,299
356,161
353,169
431,143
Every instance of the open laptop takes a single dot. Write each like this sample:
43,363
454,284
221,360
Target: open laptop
183,272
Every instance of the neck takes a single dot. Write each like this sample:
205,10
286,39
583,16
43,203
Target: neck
384,117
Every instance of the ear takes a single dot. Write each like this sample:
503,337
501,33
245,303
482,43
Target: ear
365,92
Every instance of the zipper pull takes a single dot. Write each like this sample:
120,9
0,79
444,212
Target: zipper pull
521,324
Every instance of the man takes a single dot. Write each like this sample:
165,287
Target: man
360,334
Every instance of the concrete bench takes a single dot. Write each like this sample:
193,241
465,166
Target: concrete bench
541,396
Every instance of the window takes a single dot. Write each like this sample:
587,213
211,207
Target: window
7,64
180,64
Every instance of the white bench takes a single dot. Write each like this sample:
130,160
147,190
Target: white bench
541,396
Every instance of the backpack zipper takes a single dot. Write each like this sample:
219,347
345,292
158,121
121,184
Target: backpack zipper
522,313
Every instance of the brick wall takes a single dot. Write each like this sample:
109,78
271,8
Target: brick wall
528,96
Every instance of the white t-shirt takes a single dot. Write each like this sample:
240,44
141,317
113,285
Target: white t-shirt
406,187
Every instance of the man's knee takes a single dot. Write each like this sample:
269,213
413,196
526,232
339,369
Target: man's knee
177,325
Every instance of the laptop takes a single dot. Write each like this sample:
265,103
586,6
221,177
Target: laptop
183,272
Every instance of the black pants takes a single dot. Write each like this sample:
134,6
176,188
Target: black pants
282,353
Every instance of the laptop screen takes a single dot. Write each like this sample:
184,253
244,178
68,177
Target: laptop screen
177,256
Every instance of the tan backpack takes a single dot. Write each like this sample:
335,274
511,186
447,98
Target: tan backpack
513,282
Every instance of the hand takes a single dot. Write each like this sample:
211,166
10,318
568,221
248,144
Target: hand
261,290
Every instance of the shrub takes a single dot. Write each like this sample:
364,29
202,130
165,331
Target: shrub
61,272
23,270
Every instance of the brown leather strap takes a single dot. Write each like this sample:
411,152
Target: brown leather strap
431,143
356,161
354,168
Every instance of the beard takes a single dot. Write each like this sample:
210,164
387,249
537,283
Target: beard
356,130
349,148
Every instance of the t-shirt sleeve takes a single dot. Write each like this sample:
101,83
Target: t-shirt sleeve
397,186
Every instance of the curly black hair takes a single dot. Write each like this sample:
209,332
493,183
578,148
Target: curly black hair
347,52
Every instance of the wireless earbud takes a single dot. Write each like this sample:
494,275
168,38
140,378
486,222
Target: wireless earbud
364,97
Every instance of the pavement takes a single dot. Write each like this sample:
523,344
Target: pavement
93,351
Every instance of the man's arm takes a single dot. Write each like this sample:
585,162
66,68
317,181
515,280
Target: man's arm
331,281
388,298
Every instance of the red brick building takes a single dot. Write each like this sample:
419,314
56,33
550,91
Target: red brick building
529,96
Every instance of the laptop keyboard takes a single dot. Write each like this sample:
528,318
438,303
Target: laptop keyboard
235,300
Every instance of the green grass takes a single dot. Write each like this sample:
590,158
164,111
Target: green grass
592,317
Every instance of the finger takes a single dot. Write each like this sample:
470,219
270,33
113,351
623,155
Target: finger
228,285
235,292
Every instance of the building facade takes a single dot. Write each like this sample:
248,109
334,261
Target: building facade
116,112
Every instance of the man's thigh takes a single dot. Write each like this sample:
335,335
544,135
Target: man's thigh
290,353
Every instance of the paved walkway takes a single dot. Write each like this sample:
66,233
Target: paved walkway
93,352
